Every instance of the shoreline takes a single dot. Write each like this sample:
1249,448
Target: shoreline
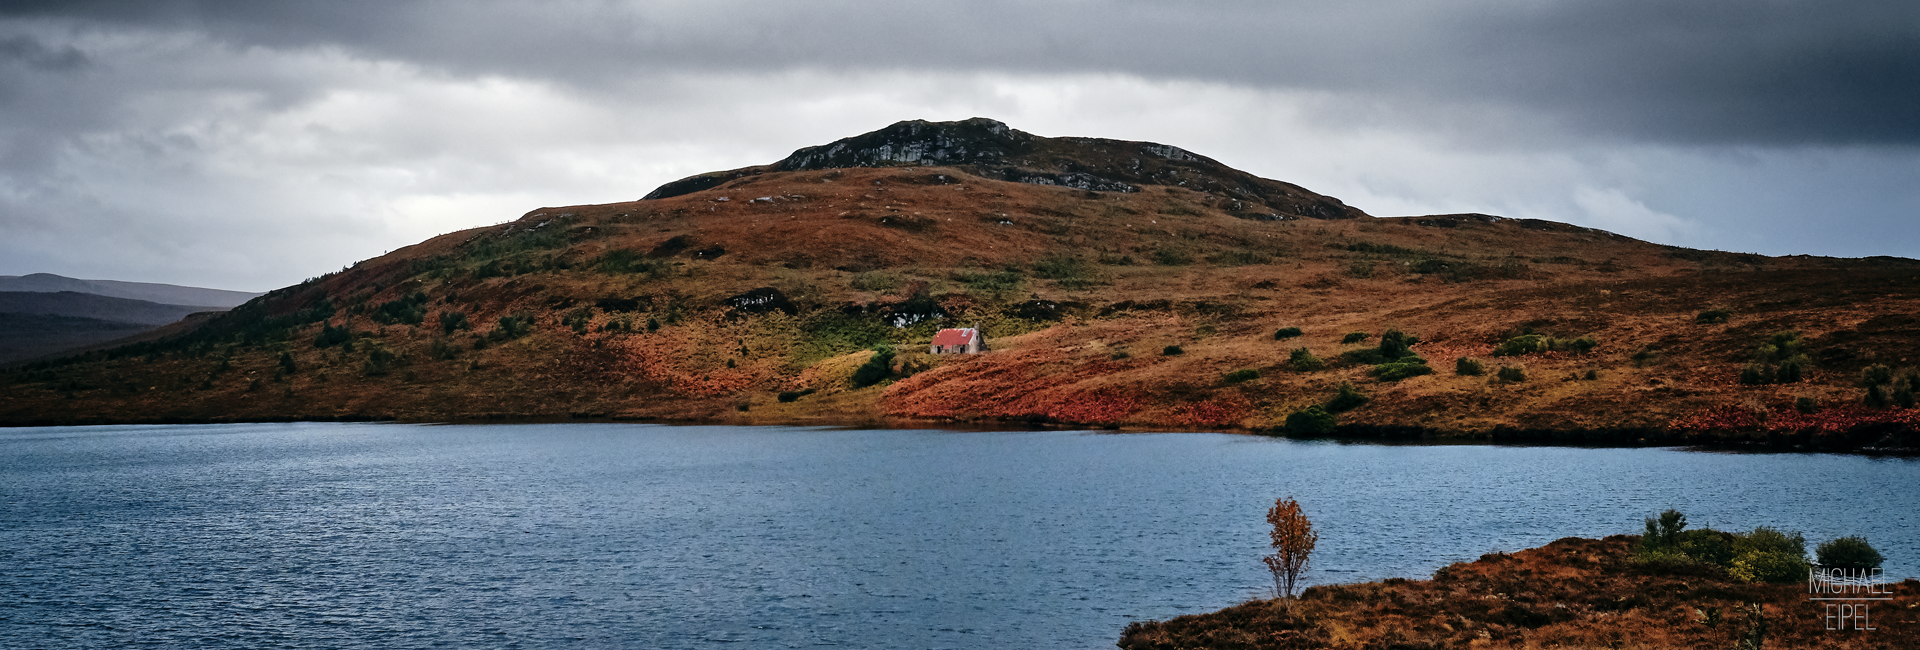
1620,438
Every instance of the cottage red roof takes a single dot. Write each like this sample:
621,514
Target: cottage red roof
959,336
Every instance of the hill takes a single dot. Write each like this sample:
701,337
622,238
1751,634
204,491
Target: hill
1122,284
40,323
166,294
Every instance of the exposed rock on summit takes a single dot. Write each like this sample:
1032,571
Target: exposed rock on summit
991,149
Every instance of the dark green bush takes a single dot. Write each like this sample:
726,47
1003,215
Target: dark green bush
409,309
994,283
1171,350
1286,333
792,395
1399,370
1354,337
331,336
1523,344
1347,399
1770,540
1310,421
1304,361
1396,344
1533,343
1592,375
512,327
1779,360
1713,316
1851,552
1071,272
1876,375
1243,375
877,368
379,360
1643,357
621,260
453,320
1877,397
441,350
1805,405
286,363
1512,373
1170,256
1707,545
1663,533
1469,366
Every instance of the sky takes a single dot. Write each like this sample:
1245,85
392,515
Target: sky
250,144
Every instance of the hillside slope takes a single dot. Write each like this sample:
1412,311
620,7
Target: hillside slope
1084,260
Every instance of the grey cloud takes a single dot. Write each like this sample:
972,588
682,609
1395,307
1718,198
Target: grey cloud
1781,72
35,54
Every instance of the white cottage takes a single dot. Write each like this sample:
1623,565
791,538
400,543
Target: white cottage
962,340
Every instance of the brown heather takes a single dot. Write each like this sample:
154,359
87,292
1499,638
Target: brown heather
1574,593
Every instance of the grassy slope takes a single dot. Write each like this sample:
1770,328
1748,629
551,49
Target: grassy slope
1164,266
1573,593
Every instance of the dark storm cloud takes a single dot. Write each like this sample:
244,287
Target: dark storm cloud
1769,72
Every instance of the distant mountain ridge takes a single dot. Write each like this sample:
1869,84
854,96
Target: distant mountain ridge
166,294
43,314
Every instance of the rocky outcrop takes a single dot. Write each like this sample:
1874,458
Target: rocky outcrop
991,149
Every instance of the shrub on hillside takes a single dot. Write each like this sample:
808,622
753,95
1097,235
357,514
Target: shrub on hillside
1396,371
1172,350
1850,552
1310,421
1778,360
621,260
1713,316
792,395
1806,405
1470,367
453,320
409,309
1304,361
1069,270
1776,568
1396,344
1170,256
512,327
1533,343
877,368
379,360
1512,373
1286,333
1243,375
1347,399
1354,337
331,336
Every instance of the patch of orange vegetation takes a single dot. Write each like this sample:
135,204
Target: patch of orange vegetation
1572,593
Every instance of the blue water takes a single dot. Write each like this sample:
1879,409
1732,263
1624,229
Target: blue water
537,536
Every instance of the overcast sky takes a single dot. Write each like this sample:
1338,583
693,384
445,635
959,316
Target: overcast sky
249,144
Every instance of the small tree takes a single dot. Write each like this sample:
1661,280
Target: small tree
1293,541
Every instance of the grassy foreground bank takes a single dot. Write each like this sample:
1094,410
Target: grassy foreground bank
1572,593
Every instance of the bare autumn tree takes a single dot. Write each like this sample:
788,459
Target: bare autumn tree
1293,540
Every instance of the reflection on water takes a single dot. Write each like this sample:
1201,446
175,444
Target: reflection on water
338,535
